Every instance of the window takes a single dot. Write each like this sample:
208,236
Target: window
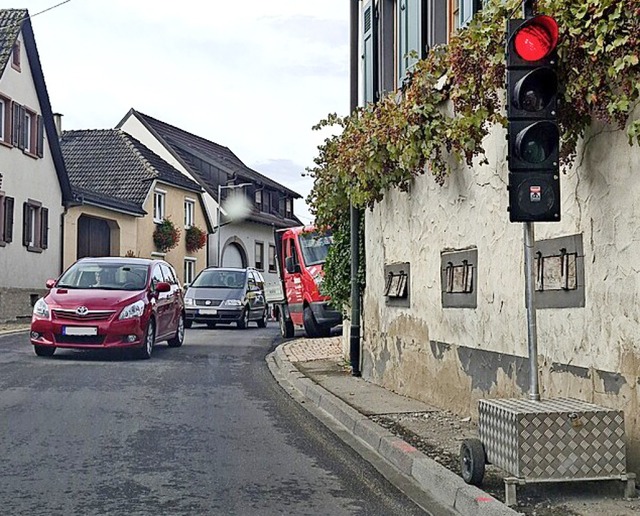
260,256
189,212
410,36
158,205
5,120
15,56
272,258
189,270
6,219
27,130
461,13
288,208
167,273
35,226
258,199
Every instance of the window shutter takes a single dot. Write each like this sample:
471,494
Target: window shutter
16,124
409,35
370,54
40,137
44,228
26,225
8,219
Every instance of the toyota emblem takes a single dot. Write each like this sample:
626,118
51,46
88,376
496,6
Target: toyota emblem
207,302
82,310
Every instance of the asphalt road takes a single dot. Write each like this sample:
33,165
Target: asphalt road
201,429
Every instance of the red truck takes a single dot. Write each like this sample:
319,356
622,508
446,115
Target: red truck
296,300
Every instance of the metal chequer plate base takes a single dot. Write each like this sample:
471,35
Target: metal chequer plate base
554,440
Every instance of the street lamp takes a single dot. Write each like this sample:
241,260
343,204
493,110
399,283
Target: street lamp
220,188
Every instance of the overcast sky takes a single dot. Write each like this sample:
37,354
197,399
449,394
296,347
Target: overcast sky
252,75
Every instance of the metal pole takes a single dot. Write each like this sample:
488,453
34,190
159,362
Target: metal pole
354,341
218,264
532,330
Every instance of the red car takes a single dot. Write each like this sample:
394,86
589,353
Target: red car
103,303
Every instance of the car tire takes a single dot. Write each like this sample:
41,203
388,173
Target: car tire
287,329
472,461
262,322
188,323
44,351
145,351
178,339
244,318
311,326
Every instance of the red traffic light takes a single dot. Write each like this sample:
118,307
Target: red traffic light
536,38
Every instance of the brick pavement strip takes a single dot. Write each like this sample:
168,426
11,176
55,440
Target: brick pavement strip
304,350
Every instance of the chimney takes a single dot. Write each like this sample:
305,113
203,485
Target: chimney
57,120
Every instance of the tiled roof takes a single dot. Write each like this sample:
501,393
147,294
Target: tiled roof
10,26
112,167
189,146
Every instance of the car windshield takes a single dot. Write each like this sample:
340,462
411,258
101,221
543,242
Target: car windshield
315,247
216,278
104,276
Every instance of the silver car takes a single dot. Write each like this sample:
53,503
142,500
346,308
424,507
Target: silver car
226,296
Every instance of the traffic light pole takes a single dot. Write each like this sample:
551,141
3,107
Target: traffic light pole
532,328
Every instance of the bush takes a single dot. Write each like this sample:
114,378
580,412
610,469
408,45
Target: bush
195,239
166,236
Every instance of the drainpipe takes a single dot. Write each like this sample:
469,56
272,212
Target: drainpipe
354,341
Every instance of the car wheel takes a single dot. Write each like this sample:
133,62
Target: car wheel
149,340
262,322
211,325
311,326
188,323
177,341
286,327
244,318
472,461
44,351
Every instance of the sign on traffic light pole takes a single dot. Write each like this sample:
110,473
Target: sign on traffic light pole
532,94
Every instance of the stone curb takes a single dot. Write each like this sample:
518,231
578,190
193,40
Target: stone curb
444,486
17,330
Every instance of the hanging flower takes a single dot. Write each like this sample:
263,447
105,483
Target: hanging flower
195,239
166,236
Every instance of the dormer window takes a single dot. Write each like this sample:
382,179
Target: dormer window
15,56
258,199
288,208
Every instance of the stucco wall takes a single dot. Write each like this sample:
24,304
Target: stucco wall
23,177
452,357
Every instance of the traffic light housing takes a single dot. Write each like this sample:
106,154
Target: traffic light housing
534,139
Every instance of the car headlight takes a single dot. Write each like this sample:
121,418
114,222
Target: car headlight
232,302
133,310
41,308
189,301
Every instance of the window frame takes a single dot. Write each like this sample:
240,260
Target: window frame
189,270
272,258
35,226
259,255
5,120
257,198
16,56
159,205
189,212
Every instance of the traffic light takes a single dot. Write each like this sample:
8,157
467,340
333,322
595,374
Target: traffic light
534,139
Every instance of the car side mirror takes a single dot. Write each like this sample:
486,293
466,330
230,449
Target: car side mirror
291,267
163,286
50,283
185,286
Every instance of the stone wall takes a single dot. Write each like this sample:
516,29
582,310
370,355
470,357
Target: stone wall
17,304
451,356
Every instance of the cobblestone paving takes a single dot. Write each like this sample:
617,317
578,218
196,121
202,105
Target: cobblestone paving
304,350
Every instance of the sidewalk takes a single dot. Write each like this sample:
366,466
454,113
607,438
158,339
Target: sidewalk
422,442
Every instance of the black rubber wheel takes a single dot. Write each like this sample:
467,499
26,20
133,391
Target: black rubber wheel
262,322
144,352
188,323
286,327
177,340
44,351
472,461
243,322
311,326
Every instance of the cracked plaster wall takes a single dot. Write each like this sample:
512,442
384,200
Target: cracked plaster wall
453,357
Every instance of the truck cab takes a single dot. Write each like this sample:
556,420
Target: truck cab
301,253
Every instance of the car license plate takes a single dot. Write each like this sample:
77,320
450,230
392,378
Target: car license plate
208,311
79,330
